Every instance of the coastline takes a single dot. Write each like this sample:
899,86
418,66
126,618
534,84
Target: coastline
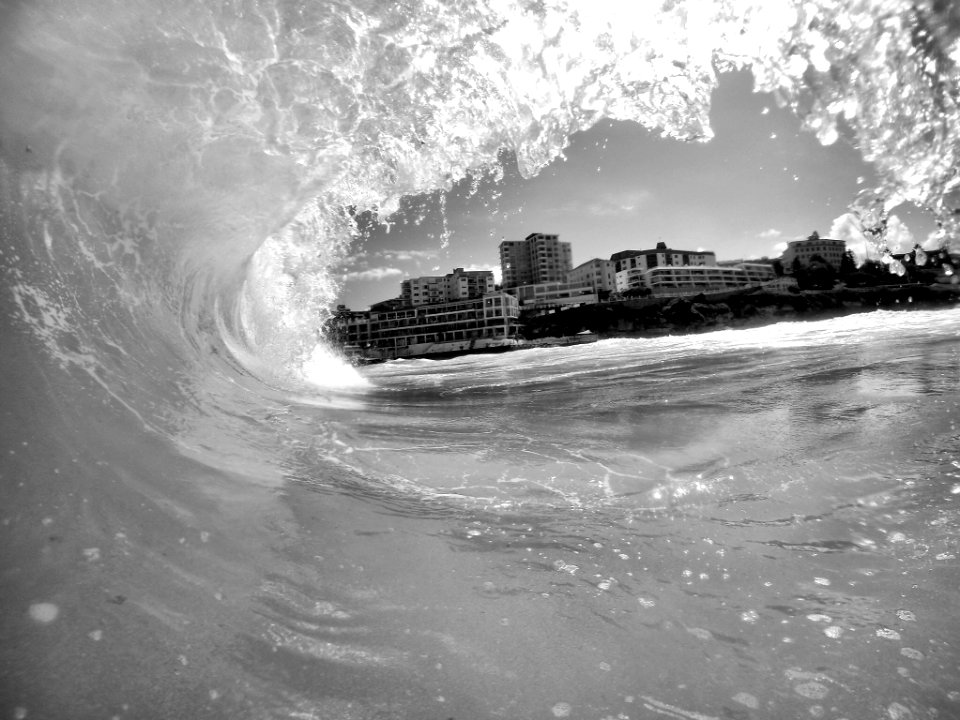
656,317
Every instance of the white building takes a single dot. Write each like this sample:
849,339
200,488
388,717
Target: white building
757,272
476,324
554,295
459,285
538,258
803,250
681,280
601,274
629,265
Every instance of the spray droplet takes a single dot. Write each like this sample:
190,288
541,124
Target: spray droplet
44,612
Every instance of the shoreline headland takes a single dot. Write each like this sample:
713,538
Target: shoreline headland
656,317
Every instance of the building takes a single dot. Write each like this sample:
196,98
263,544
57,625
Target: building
459,285
538,258
601,274
547,296
693,280
803,252
449,328
758,272
629,265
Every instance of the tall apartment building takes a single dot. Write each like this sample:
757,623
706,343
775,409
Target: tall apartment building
538,258
459,285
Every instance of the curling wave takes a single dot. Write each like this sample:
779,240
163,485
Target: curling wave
179,179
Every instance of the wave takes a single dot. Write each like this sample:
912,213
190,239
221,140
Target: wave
179,180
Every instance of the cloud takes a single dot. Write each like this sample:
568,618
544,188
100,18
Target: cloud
778,249
625,202
846,227
380,273
935,240
899,237
407,255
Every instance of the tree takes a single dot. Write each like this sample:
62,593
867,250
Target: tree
818,274
848,264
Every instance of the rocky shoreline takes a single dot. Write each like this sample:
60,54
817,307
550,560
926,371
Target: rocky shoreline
654,317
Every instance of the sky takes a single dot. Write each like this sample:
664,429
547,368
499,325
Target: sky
760,182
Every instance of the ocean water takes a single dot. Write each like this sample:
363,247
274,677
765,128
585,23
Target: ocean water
205,513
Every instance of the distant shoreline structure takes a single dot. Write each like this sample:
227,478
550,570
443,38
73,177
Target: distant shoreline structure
636,291
657,317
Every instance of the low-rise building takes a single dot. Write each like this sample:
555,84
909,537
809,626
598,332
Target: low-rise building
803,251
459,285
757,272
629,265
692,280
600,274
486,323
544,296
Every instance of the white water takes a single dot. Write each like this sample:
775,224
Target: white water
205,514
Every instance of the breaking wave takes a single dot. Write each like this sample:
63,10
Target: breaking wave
179,179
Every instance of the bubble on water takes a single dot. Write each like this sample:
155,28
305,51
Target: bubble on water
817,711
911,653
821,581
746,699
749,616
646,603
834,631
19,713
812,690
887,634
816,617
896,711
700,633
91,554
44,612
561,709
897,537
95,635
954,696
906,616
